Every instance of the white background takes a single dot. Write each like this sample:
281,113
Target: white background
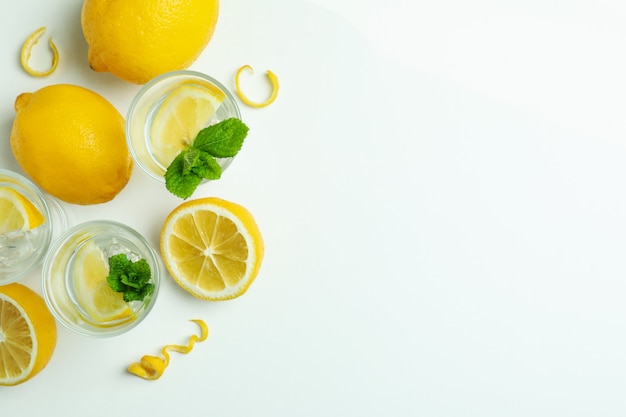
440,186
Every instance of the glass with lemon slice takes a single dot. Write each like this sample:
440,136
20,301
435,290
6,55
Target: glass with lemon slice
75,274
25,226
168,112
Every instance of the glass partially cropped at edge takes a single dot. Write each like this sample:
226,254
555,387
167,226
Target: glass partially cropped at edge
21,252
59,286
146,104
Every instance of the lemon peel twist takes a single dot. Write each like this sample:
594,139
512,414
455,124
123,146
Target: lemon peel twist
273,81
152,367
27,48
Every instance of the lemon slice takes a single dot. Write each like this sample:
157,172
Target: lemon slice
102,304
186,111
17,212
28,334
212,248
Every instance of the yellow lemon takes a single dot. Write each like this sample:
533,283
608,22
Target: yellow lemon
17,212
212,248
182,115
28,334
71,143
94,294
136,40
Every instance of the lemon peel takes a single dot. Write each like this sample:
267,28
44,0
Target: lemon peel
27,48
152,367
273,81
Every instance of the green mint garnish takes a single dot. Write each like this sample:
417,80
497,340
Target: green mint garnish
191,166
131,278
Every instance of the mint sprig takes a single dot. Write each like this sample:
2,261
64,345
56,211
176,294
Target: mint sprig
130,278
192,165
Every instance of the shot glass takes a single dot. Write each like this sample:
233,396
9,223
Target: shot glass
67,292
22,251
148,101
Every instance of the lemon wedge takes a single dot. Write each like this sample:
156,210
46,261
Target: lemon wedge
186,111
17,212
103,305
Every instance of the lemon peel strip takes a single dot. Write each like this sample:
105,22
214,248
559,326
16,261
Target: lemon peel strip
27,48
152,367
273,81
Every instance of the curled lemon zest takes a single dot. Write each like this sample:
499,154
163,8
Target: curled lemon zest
273,81
27,48
152,367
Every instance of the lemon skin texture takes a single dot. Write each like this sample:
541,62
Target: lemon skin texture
71,142
137,40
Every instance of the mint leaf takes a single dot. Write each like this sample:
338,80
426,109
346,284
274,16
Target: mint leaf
190,160
131,278
180,180
223,139
191,166
207,167
188,170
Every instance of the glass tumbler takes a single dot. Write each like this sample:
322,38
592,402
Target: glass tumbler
74,282
22,251
146,105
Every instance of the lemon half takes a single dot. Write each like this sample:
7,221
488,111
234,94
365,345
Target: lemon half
28,334
212,248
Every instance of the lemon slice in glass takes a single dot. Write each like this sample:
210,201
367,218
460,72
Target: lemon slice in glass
186,111
17,212
102,304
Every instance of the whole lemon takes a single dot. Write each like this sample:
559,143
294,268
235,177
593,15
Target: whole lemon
136,40
71,142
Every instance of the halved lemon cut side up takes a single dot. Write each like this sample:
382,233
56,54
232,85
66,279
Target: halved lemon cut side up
187,110
212,248
17,213
103,306
28,334
27,48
